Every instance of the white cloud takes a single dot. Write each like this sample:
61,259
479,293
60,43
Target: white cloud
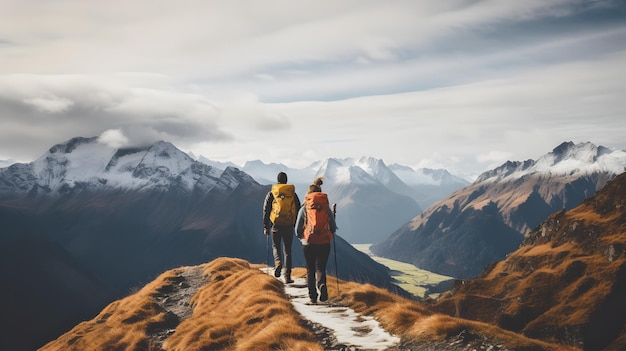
494,157
51,103
113,138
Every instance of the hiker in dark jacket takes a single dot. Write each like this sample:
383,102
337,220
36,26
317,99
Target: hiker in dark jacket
281,226
316,238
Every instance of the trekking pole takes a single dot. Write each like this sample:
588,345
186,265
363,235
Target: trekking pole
335,249
268,253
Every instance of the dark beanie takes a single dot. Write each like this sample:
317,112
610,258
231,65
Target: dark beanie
282,178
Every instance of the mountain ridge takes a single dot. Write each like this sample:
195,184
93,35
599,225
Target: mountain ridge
217,306
424,185
566,281
513,198
565,159
85,163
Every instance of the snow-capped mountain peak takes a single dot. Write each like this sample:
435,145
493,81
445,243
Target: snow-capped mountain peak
216,164
79,159
164,158
425,176
88,164
583,157
566,159
346,171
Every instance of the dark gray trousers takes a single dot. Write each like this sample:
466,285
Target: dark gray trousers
316,257
282,236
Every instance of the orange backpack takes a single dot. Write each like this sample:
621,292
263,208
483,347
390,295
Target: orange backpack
317,223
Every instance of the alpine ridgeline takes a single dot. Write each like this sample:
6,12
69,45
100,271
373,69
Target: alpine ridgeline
566,282
373,199
486,220
85,223
230,304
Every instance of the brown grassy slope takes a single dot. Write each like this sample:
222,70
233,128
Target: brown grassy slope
566,283
417,325
122,325
241,308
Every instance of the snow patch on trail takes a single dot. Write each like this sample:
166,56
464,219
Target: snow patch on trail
348,326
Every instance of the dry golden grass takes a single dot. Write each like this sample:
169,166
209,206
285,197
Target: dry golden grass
121,325
241,309
415,322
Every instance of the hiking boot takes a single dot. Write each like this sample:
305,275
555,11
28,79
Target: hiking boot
277,270
313,299
288,279
323,292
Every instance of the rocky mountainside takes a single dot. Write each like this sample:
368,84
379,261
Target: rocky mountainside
566,282
486,220
88,223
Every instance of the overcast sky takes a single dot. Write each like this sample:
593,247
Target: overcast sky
457,84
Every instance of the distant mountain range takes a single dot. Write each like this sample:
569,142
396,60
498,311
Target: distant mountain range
372,199
85,223
423,185
483,222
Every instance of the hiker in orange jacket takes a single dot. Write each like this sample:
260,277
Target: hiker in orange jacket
280,223
315,227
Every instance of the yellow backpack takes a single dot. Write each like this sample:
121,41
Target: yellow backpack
283,207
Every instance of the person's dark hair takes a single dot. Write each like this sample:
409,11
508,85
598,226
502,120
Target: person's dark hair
316,187
282,178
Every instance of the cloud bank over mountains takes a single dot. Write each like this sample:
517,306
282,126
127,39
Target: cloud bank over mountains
407,82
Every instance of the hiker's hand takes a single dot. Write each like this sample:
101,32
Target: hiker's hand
265,231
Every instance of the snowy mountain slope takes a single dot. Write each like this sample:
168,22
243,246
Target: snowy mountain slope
365,170
215,164
5,163
367,209
431,185
85,163
423,185
266,173
566,159
486,220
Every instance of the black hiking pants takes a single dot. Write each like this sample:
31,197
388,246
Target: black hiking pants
282,236
316,257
